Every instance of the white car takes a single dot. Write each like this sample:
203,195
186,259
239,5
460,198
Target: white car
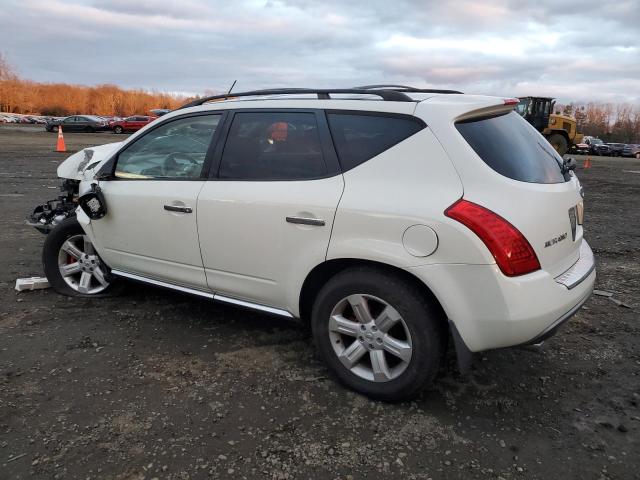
391,218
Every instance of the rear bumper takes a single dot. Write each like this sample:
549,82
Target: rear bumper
490,310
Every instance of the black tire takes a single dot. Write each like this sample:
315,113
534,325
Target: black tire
52,245
427,330
118,129
559,143
88,129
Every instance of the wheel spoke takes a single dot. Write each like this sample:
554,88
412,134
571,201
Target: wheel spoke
85,282
72,250
379,365
88,246
99,275
360,308
339,324
387,319
398,348
352,354
70,269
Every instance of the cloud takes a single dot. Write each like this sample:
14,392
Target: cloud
585,50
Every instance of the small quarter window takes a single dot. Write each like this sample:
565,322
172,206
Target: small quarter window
360,137
273,146
175,150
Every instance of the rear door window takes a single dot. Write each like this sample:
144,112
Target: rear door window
513,148
273,146
359,137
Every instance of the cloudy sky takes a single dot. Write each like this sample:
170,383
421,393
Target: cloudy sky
571,49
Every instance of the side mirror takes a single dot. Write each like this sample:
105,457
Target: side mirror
93,203
568,165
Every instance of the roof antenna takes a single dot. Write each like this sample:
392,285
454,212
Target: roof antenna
232,85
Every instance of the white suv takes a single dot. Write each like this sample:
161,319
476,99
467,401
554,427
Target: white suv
389,217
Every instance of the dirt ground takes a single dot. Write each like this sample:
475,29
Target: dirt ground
155,384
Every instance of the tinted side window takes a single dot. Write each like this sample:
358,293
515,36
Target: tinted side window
513,148
273,146
176,149
359,137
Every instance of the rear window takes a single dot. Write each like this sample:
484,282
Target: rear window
359,137
513,148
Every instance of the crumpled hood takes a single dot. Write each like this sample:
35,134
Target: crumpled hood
84,164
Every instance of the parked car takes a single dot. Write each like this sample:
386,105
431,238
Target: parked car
78,123
130,124
390,220
615,149
632,150
580,148
7,118
597,146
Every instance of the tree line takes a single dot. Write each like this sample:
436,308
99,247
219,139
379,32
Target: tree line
18,95
612,122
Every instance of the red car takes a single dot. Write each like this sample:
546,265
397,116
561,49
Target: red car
130,124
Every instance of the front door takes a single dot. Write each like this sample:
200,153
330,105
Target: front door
150,227
266,220
70,124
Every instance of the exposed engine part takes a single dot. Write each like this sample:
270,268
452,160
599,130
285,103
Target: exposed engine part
48,215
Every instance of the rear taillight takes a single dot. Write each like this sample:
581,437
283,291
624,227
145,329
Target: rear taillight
513,253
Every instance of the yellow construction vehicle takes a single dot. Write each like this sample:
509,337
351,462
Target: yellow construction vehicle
560,130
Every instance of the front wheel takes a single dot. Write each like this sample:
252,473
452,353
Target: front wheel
72,265
378,333
559,143
118,129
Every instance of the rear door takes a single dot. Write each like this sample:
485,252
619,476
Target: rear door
266,219
138,122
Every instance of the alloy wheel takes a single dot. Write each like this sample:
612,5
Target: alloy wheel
370,338
81,267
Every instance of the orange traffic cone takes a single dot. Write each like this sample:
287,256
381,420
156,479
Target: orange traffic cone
60,147
587,163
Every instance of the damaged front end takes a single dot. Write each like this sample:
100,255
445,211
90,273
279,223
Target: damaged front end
51,213
79,167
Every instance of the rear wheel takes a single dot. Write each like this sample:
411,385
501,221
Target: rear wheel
117,129
72,265
559,143
638,155
378,333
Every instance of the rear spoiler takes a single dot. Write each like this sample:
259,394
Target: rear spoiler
507,105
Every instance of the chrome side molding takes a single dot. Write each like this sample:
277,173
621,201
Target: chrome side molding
255,306
152,281
212,296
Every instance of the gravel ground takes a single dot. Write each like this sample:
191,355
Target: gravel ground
155,384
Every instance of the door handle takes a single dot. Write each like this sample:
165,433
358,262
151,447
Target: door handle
318,222
174,208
